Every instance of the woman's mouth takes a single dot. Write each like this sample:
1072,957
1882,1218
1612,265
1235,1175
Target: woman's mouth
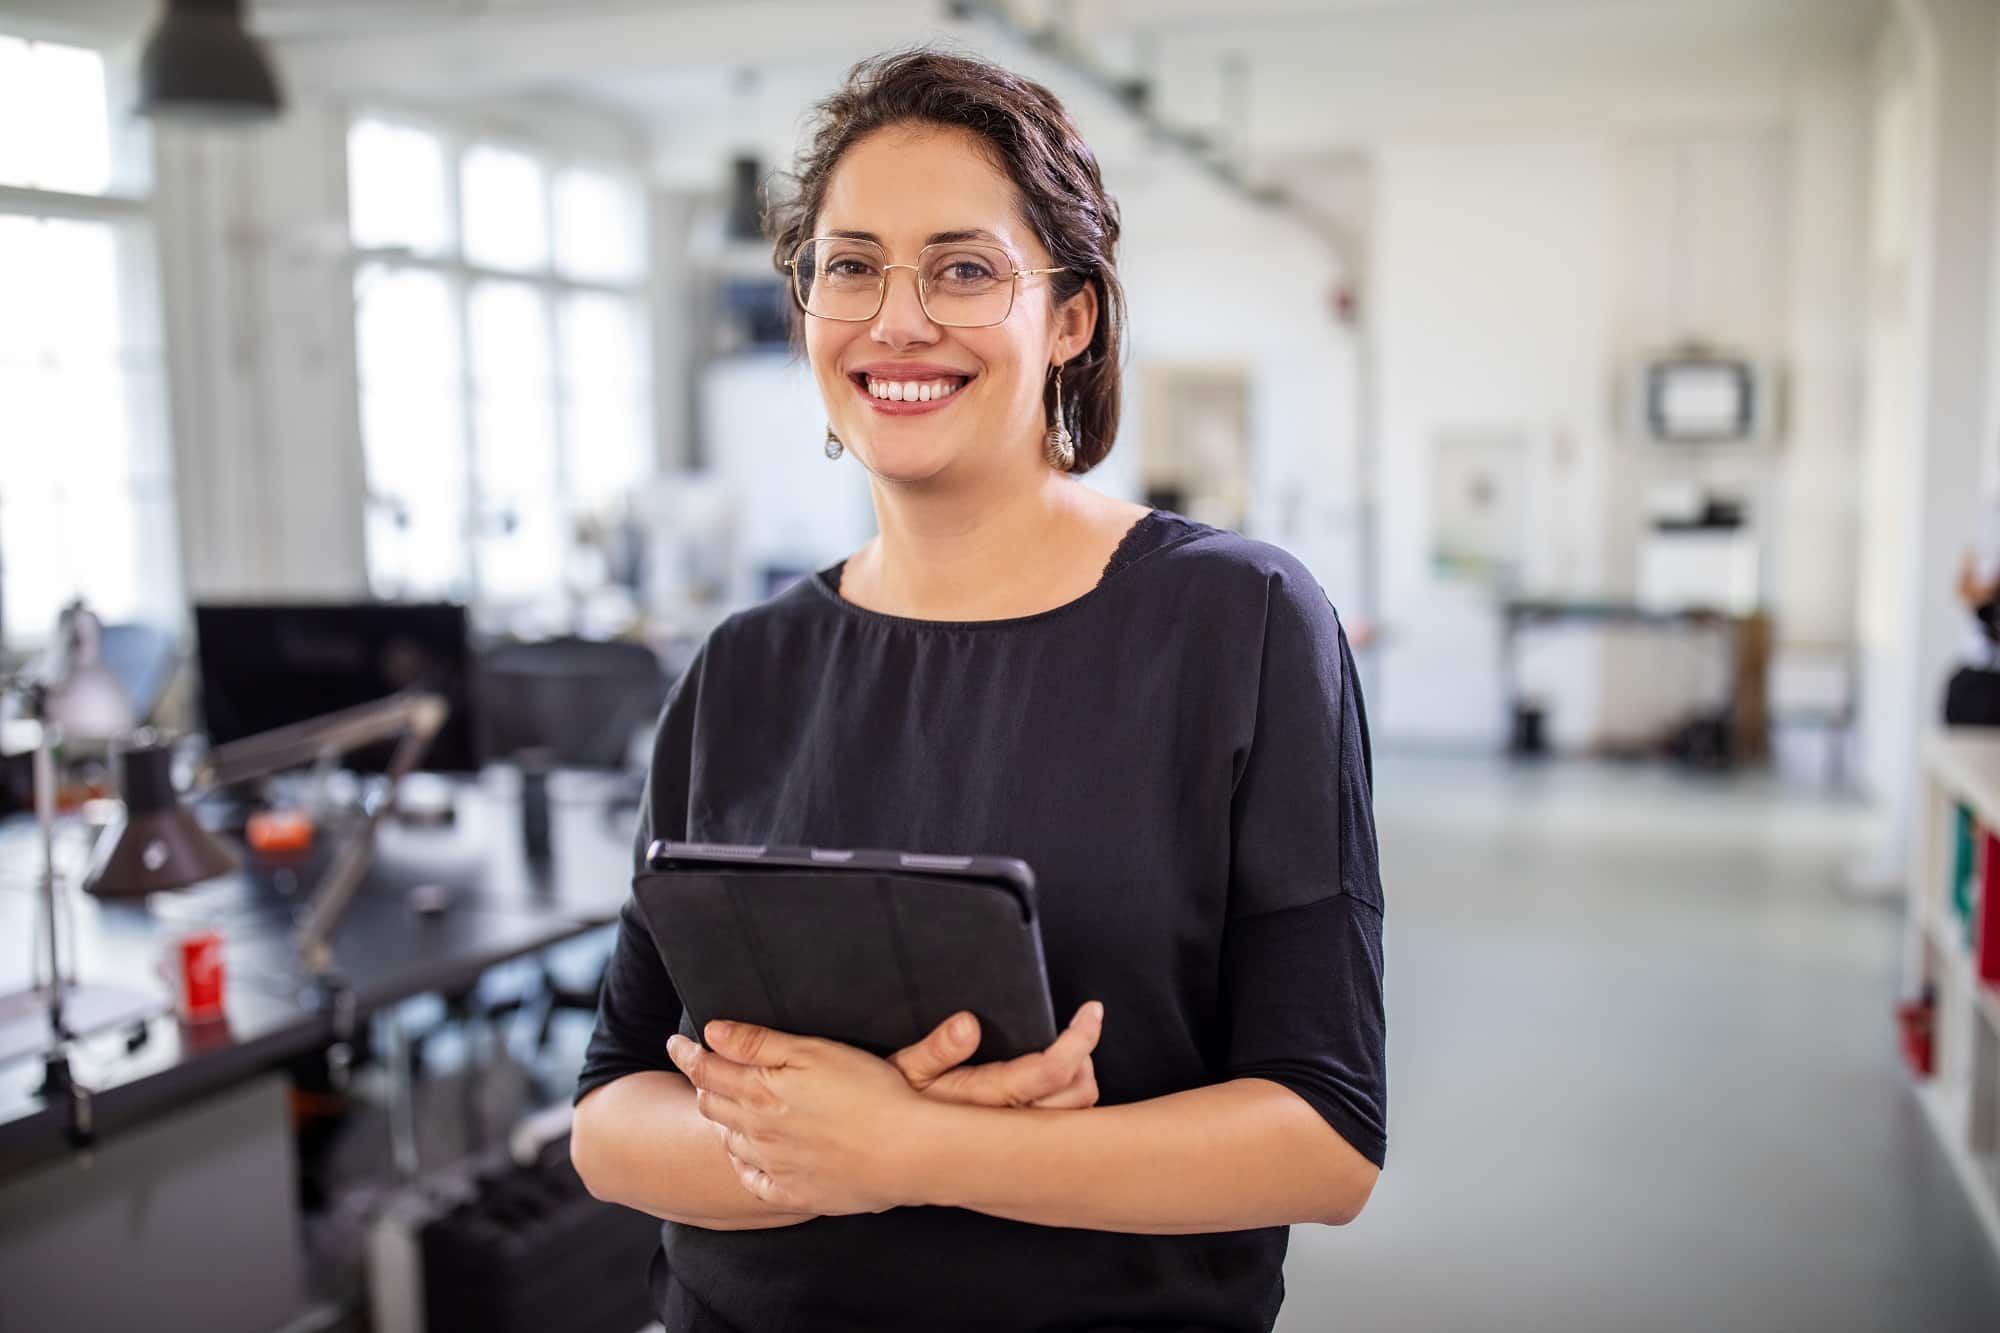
902,395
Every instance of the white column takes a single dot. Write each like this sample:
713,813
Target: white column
1954,43
257,301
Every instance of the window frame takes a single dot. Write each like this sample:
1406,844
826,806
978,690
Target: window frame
456,138
126,207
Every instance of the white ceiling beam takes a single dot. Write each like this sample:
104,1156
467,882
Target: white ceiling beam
495,50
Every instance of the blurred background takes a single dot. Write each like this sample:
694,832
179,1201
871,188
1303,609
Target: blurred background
1628,371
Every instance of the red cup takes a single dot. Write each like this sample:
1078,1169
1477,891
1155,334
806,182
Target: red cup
194,970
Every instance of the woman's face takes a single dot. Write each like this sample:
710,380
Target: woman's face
904,187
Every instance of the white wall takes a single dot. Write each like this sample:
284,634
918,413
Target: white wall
1212,280
1490,292
1519,277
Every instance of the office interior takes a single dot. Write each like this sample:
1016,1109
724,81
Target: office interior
1626,371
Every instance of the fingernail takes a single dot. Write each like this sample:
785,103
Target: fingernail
720,1030
961,1027
1097,1006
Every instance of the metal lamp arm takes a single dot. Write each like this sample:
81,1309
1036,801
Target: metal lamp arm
415,717
412,719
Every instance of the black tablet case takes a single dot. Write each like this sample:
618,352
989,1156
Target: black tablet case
873,949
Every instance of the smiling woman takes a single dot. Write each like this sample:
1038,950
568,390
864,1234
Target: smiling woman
1161,718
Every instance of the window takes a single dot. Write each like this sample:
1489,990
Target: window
86,493
502,341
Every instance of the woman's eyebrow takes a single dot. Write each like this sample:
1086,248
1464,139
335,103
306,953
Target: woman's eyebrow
936,237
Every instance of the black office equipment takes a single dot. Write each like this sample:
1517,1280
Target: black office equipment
873,949
579,702
531,1250
265,666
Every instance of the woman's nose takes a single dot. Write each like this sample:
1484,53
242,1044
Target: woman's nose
901,320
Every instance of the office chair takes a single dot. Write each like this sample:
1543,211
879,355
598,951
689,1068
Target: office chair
578,703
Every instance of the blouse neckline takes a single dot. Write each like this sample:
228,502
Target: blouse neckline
1130,551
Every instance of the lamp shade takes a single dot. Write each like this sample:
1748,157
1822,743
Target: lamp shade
80,694
157,846
200,64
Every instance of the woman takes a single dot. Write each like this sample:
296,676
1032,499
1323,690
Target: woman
1972,695
1159,717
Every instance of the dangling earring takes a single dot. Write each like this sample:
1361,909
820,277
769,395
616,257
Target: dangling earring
834,448
1057,446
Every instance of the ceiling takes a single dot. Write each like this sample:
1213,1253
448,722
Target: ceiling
1270,84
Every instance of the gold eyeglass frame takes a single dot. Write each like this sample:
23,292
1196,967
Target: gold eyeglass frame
882,294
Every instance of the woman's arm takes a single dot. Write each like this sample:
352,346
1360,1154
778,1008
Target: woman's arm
1970,590
1246,1153
815,1126
637,1132
638,1141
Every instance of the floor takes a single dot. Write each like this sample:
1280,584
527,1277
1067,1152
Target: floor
1643,1072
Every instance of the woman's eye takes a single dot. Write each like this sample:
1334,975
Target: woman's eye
849,267
965,270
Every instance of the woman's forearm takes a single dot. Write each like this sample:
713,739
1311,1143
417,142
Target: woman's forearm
1246,1153
640,1142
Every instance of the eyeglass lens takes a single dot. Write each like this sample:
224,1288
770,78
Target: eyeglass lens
965,284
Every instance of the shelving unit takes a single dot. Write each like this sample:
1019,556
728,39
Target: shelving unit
1952,951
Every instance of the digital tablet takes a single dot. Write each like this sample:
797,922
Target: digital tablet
870,948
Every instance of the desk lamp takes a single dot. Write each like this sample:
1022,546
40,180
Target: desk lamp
157,845
70,695
161,846
411,719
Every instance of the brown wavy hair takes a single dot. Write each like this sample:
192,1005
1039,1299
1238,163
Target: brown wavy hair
1034,141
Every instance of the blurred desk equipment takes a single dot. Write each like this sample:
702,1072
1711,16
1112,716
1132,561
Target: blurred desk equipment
70,695
410,720
143,658
505,1243
568,703
197,1120
268,666
579,702
155,844
1735,729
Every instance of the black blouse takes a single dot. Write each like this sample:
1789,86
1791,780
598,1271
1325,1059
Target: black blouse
1182,757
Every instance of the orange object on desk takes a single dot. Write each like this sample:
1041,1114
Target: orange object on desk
279,832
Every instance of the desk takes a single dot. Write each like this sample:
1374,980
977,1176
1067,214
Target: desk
1749,637
502,908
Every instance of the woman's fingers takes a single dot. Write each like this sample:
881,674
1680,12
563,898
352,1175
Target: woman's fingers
1062,1071
1080,1038
948,1045
1079,1095
712,1072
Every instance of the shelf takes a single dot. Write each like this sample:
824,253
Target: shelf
1968,767
1942,935
1946,1107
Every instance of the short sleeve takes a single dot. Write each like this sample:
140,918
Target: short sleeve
1302,950
638,1008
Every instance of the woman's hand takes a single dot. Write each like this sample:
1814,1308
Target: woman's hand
1059,1078
812,1126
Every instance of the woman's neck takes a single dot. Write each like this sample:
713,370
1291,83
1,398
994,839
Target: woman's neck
984,553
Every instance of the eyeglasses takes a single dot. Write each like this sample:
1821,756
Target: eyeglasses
960,284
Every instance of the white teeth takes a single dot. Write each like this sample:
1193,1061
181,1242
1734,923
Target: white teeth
912,391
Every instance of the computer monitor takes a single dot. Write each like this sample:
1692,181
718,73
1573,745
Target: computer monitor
264,666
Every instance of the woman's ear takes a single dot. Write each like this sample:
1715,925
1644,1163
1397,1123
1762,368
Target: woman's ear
1076,323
